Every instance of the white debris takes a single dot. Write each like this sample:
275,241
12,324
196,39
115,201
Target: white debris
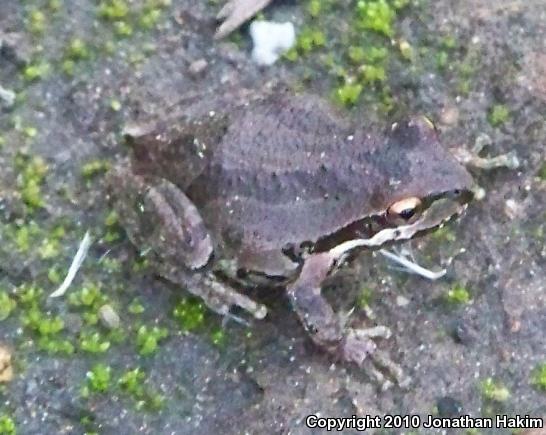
74,267
270,40
412,267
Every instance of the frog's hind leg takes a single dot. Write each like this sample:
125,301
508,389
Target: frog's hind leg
328,330
161,220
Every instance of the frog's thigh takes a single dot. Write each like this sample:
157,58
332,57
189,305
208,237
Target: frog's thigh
159,216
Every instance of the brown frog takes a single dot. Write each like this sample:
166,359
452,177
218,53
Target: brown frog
281,190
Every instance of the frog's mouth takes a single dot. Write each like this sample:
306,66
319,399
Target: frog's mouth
439,211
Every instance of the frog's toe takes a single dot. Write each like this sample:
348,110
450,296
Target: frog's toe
224,297
356,347
359,347
358,344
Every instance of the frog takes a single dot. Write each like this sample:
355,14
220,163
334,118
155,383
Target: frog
282,191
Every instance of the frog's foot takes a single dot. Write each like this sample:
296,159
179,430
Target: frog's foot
329,332
359,347
473,158
235,13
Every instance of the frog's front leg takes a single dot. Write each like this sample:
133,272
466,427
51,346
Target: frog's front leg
328,330
160,218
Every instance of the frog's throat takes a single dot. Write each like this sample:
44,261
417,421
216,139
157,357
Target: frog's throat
437,214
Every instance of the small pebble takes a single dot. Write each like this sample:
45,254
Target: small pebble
108,316
449,115
198,67
402,301
512,209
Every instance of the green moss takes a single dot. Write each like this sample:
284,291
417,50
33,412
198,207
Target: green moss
148,339
54,5
50,248
112,227
30,132
113,9
41,323
36,70
29,294
24,235
458,295
32,173
149,18
314,8
115,105
93,343
77,49
310,39
442,58
376,15
7,425
448,42
538,377
348,93
111,219
89,296
359,55
135,307
95,167
47,329
466,70
123,28
68,66
7,305
494,390
111,265
98,379
36,22
132,382
370,74
498,115
54,275
190,314
218,337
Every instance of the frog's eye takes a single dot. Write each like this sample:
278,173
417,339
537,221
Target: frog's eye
405,209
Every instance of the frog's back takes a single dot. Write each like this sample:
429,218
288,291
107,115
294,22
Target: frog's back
286,171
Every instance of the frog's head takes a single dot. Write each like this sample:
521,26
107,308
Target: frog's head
423,185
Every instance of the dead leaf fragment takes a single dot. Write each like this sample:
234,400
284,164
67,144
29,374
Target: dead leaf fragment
6,369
